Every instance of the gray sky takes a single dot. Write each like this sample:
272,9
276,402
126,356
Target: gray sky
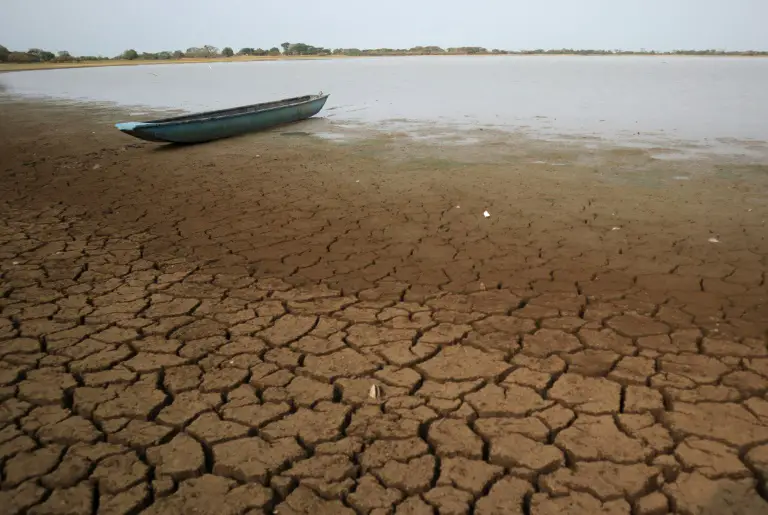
107,27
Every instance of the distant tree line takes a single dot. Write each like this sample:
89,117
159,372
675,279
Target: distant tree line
37,55
474,50
259,51
304,49
417,50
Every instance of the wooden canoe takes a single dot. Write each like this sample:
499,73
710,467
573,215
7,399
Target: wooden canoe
224,123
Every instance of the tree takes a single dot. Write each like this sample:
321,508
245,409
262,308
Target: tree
4,53
285,46
41,55
206,51
64,56
299,49
178,54
20,57
274,51
130,54
227,52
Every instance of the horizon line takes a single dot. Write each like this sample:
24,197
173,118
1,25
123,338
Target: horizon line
436,48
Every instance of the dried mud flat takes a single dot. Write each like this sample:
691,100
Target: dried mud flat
197,330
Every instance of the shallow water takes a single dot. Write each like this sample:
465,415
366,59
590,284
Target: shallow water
710,101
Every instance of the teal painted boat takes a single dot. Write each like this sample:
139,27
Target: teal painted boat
212,125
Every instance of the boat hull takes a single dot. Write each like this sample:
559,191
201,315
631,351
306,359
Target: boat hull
215,125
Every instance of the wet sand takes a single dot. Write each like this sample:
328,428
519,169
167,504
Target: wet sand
201,327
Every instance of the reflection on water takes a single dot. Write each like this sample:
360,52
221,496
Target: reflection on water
624,98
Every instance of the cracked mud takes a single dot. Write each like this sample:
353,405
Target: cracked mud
198,330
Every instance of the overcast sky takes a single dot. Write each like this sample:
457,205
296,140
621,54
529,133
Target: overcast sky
108,27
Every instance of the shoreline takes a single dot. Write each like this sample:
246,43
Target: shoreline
11,67
669,148
656,148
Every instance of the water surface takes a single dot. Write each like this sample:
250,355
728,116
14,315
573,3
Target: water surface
710,101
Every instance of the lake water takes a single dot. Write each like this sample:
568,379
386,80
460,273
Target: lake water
661,99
